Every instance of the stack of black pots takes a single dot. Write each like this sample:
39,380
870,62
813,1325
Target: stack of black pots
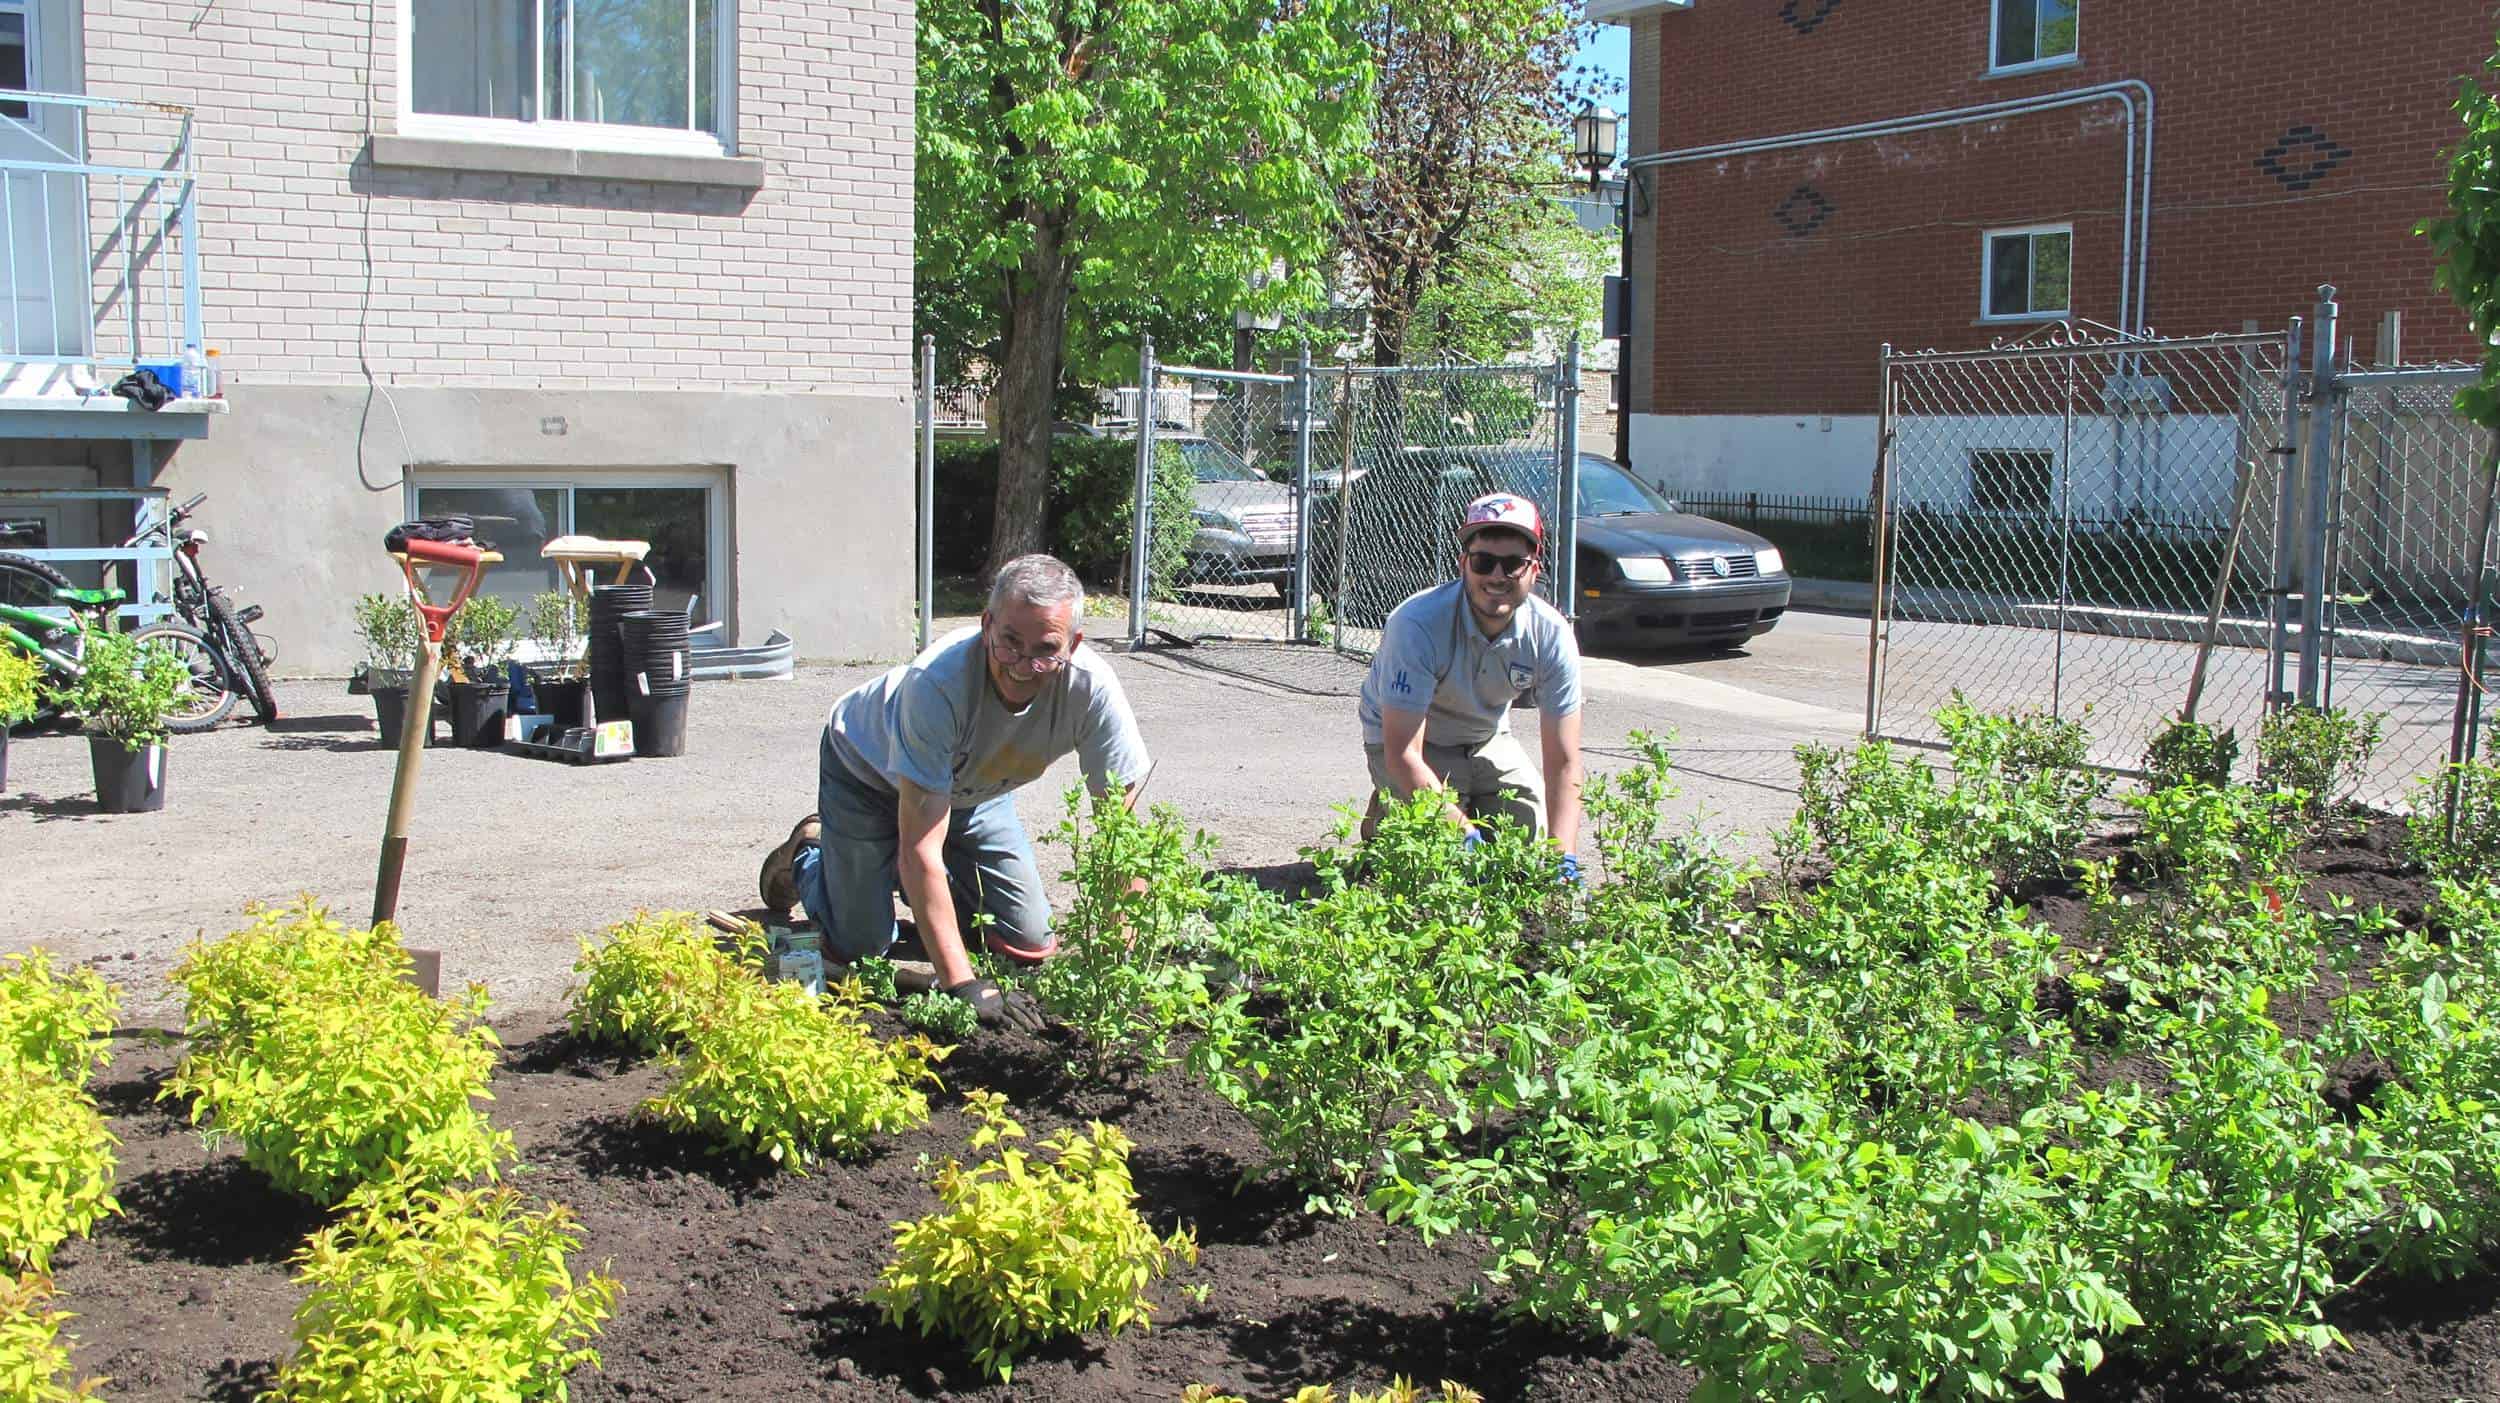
656,651
611,670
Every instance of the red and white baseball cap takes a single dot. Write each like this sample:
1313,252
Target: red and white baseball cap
1502,509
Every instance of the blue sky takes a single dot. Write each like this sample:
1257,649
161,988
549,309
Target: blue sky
1610,52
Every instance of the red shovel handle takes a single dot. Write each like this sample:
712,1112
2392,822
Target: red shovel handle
472,562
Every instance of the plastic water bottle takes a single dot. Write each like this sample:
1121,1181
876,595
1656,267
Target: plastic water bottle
194,372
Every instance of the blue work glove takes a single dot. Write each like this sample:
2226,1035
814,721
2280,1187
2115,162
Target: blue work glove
1571,871
1475,839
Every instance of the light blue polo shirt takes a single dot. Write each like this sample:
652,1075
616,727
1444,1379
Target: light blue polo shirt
1434,659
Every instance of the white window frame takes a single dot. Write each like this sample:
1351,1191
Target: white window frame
717,581
1987,271
1997,67
582,136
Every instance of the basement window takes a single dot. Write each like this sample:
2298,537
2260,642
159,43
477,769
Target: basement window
2011,480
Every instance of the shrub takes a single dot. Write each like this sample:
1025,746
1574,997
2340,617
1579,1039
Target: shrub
328,1066
56,1165
941,1016
388,626
554,625
1093,491
444,1293
32,1357
1125,977
1025,1249
1400,1390
645,987
771,1071
2191,752
54,1021
2322,755
2472,853
125,689
482,636
17,687
2025,780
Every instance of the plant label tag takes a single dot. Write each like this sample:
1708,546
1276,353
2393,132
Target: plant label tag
676,667
156,766
643,680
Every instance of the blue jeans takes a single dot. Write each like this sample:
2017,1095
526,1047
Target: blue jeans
848,882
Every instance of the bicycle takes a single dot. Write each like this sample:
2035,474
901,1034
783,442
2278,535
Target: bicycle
30,592
203,606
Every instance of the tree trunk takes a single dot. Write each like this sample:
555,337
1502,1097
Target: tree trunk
1028,377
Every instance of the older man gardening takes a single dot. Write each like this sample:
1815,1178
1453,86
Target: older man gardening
916,780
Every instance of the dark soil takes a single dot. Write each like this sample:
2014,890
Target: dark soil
747,1285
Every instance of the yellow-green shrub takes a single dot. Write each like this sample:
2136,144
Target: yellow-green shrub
1027,1249
327,1066
54,1019
647,984
770,1070
444,1293
56,1165
1400,1390
32,1357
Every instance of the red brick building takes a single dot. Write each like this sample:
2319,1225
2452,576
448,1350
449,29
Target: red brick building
2183,166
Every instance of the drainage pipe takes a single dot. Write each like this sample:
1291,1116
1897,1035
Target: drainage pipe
2135,215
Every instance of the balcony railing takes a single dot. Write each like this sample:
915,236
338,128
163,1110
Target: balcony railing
99,240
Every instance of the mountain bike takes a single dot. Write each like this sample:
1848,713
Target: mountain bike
31,596
203,606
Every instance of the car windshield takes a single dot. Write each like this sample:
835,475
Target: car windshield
1213,462
1607,490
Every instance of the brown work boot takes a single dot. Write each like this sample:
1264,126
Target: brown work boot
775,883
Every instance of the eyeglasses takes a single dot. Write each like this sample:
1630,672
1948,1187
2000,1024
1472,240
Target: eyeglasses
1485,562
1011,655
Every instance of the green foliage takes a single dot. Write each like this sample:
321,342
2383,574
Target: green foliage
1318,625
32,1355
554,624
941,1016
125,689
391,631
647,985
482,636
1092,502
313,1050
876,979
769,1070
54,1020
2026,778
1128,976
2467,237
56,1165
1026,1248
1400,1390
2191,752
17,687
2322,755
2470,854
442,1293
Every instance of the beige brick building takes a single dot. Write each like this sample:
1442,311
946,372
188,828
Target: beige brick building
618,267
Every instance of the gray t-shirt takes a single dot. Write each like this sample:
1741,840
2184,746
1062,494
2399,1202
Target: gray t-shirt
1434,659
938,722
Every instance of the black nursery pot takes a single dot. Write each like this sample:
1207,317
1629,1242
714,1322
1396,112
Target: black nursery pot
562,699
127,780
390,712
477,713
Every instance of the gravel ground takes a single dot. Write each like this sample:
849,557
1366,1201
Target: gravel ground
512,860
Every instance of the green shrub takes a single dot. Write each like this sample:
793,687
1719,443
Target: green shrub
2191,752
54,1020
2472,853
1025,1248
482,636
449,1293
2321,755
1093,493
1127,976
554,624
2025,780
32,1356
125,689
1400,1390
772,1071
316,1055
941,1016
17,687
56,1165
648,983
393,635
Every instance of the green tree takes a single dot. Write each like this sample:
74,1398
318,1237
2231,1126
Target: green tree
1530,272
1121,154
2468,237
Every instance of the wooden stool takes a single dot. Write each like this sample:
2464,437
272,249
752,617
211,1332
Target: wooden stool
578,559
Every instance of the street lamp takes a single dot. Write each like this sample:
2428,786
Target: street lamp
1593,139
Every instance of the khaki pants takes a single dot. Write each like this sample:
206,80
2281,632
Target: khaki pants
1494,777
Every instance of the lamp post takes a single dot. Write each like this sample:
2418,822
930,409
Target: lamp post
1596,137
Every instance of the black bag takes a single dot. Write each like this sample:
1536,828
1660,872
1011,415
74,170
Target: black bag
454,529
142,388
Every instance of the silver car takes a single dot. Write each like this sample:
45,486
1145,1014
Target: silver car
1245,520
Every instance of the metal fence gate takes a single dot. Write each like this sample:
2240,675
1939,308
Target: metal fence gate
1323,497
2131,530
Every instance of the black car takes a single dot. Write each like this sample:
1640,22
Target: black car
1650,575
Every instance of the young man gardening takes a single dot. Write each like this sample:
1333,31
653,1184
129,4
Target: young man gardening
916,780
1453,659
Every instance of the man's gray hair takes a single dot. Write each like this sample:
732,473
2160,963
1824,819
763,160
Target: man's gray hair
1044,581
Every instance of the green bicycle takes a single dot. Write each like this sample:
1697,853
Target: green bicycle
45,617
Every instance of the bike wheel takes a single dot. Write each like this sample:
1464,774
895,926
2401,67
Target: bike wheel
211,696
27,582
242,659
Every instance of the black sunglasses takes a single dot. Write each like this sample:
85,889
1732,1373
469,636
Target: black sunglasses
1485,562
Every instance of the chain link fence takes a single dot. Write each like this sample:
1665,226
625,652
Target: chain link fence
2129,531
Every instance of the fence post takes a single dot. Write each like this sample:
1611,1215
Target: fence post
1567,481
928,486
2286,526
1141,516
1347,430
1879,496
1304,401
2066,522
2314,554
2464,730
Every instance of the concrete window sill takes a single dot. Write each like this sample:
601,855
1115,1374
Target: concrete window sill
512,158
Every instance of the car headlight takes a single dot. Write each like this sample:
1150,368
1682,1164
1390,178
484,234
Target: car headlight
1646,570
1218,520
1767,561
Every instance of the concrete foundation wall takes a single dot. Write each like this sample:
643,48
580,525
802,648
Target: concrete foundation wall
304,480
1807,454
